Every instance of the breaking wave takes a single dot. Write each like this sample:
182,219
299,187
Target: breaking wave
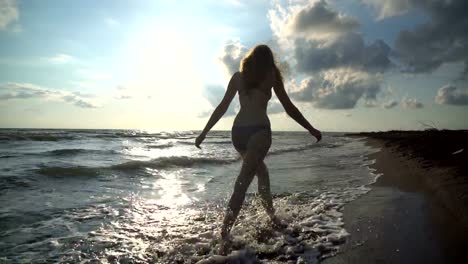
159,163
165,162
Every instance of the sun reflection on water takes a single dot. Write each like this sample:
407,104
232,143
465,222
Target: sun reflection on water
149,152
170,189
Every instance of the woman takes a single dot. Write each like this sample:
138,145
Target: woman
251,133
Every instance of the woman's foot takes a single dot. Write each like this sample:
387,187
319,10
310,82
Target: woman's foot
225,241
224,247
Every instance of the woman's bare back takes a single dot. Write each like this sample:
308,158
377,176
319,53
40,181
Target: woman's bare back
254,102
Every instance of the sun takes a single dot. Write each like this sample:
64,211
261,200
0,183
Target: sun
163,66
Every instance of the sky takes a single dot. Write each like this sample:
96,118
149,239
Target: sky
349,65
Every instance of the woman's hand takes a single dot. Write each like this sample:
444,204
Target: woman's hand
316,133
199,140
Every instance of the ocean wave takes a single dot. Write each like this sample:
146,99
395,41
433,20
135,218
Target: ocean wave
62,152
292,149
57,135
159,163
56,171
145,135
123,135
13,182
165,162
186,142
160,146
35,137
219,142
301,148
7,156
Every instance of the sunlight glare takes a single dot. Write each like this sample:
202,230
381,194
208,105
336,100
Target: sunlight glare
164,68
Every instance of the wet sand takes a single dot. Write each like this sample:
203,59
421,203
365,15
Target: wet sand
417,209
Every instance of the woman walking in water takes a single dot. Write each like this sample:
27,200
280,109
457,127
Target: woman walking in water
251,132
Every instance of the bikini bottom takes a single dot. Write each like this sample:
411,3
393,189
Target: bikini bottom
241,135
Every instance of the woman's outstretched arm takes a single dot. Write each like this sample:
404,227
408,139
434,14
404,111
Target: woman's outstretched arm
221,108
292,110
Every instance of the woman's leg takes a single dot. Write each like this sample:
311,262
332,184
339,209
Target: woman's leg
257,149
264,189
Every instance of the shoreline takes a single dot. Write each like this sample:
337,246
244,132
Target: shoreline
438,160
411,215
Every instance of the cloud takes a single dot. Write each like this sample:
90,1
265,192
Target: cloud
441,40
338,88
451,95
346,50
411,103
337,67
390,104
123,93
275,107
8,13
10,91
214,94
389,8
233,52
318,20
371,103
61,58
123,96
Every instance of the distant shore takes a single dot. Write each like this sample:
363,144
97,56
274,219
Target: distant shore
417,211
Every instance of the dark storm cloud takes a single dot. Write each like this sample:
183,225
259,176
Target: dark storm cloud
346,50
451,95
389,8
320,18
340,68
443,39
338,89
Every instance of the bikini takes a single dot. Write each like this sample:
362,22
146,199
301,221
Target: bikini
242,134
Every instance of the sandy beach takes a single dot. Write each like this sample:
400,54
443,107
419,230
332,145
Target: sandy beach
417,210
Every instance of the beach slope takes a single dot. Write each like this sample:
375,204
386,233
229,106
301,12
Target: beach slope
417,211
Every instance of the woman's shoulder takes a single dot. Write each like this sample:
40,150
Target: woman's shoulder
237,77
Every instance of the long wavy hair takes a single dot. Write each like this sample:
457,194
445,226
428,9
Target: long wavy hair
257,64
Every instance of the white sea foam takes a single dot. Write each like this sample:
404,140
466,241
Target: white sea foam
147,232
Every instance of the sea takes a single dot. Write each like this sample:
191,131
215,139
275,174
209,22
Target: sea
135,196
